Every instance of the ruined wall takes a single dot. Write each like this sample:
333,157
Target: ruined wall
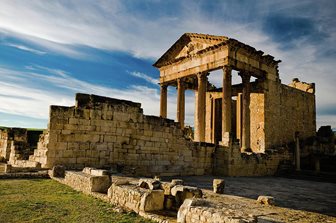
4,147
13,144
289,110
102,131
231,162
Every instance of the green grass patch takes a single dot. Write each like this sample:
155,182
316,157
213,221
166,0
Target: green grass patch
40,200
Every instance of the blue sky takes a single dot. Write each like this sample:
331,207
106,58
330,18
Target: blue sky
49,50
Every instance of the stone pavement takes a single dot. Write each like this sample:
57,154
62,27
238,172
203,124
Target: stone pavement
318,197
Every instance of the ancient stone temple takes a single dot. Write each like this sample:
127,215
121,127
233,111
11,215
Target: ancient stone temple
259,114
245,129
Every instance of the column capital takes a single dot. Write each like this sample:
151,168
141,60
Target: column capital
163,85
245,77
202,75
181,81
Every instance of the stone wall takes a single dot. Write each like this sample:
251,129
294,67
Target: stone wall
231,162
288,110
257,122
101,131
13,144
4,147
16,146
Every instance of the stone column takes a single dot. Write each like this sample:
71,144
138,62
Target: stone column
245,138
201,91
163,101
239,116
297,152
226,104
180,102
317,164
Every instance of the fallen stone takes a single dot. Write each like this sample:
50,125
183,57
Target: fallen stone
181,193
267,200
183,211
95,172
166,187
148,183
87,170
218,186
87,183
132,197
177,182
194,191
152,201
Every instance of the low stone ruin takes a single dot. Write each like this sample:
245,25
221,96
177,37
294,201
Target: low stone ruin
17,145
139,195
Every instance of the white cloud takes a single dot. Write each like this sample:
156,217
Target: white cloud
25,48
145,77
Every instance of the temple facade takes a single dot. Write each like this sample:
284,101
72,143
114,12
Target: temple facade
257,114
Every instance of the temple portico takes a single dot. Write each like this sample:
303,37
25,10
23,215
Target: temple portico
232,113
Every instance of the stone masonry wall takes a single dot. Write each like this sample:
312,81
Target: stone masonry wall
231,162
101,131
288,110
13,144
4,152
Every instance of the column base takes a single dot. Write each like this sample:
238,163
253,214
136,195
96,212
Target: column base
226,139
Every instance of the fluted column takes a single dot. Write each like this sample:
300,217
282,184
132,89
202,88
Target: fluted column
163,101
226,101
180,102
245,138
201,91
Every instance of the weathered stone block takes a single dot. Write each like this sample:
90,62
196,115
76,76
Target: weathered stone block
267,200
100,183
87,183
184,192
136,199
95,172
152,201
218,186
149,183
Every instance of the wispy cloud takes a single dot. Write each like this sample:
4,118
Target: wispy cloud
37,100
145,77
25,48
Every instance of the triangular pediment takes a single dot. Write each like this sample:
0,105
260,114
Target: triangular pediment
189,44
